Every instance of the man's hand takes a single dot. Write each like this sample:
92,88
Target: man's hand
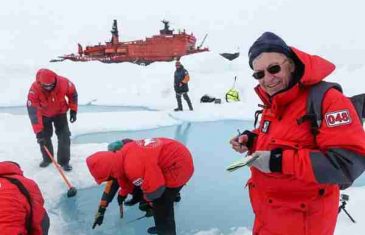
243,142
99,216
73,115
239,143
40,138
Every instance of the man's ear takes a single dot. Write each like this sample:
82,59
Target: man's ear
292,65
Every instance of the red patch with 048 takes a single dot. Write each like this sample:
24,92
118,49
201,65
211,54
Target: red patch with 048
338,118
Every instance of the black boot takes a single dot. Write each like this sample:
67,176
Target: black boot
152,230
67,167
44,163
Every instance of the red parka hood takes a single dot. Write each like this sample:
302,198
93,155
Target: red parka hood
46,76
316,69
103,165
10,168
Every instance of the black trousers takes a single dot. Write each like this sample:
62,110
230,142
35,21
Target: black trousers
63,135
163,212
186,98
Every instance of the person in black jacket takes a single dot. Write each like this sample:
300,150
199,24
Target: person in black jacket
181,79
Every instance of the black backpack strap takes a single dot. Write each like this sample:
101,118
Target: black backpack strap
314,104
359,103
26,194
257,114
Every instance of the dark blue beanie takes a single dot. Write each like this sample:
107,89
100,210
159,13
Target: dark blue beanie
268,42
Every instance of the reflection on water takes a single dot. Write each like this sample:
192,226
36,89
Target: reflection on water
182,131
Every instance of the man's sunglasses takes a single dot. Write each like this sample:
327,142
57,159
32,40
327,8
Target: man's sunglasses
48,87
272,69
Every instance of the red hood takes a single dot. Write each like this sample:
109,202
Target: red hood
316,69
10,168
103,165
46,76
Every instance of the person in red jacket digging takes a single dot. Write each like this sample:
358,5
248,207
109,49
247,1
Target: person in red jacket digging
21,203
159,166
296,177
49,99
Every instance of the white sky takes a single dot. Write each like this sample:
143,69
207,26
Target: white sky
33,32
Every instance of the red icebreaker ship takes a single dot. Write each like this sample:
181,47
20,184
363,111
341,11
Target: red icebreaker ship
167,46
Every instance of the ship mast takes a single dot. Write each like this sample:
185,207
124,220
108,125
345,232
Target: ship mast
166,30
115,35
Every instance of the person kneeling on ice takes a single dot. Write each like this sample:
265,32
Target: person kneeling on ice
22,209
160,166
298,171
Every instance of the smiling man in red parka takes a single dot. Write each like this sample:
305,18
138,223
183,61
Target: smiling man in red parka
295,180
160,166
21,203
49,99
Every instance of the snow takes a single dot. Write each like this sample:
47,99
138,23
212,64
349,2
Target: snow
33,32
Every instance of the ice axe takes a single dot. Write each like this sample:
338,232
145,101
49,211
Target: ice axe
71,190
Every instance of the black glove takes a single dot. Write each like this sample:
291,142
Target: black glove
137,196
146,207
73,116
251,138
178,197
120,202
149,213
40,138
99,216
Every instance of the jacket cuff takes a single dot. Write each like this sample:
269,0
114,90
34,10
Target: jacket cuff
276,159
